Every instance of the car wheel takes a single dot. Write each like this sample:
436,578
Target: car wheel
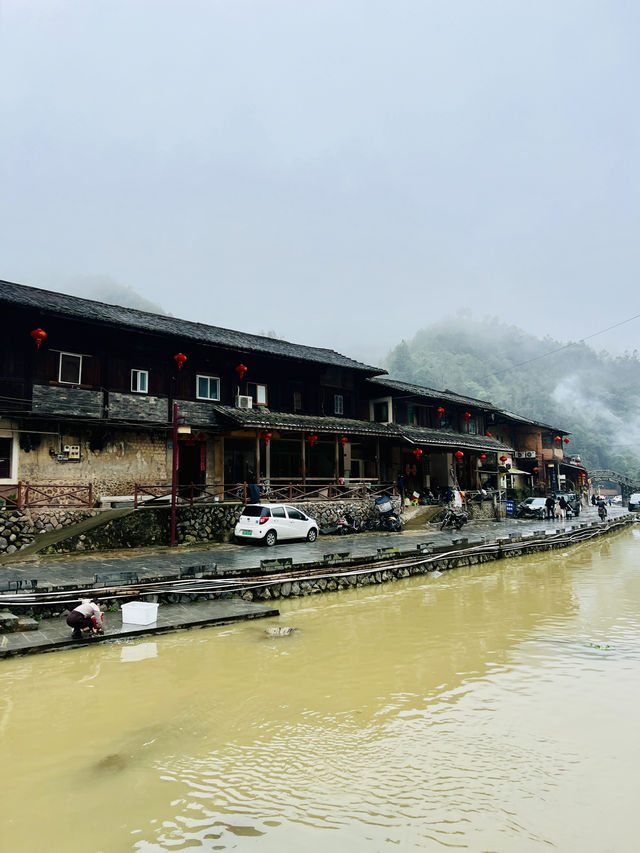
312,535
271,538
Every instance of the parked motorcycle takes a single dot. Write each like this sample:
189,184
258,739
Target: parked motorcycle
342,527
454,518
387,518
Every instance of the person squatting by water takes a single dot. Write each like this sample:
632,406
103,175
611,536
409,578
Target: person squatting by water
86,619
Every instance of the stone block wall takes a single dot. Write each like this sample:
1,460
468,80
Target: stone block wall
150,526
19,527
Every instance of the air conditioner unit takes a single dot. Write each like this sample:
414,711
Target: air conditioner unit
529,454
243,402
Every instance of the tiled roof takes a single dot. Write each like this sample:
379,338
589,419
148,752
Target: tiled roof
430,393
521,419
262,418
446,438
116,315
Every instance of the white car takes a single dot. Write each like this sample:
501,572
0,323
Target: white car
270,523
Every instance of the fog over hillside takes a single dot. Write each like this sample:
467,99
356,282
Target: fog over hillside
567,384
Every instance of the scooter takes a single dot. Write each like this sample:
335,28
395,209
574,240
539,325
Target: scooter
602,512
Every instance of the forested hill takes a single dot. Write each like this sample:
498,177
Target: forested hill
593,395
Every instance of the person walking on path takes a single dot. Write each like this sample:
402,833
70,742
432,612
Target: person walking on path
550,504
86,619
562,507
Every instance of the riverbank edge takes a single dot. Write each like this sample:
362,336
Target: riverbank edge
317,578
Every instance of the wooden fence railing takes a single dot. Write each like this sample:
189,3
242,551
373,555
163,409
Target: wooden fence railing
28,495
270,491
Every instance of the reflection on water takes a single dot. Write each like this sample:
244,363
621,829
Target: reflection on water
490,708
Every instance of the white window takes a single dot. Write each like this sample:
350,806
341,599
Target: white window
258,392
338,404
207,388
70,369
140,381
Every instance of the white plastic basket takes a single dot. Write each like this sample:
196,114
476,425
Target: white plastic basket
139,613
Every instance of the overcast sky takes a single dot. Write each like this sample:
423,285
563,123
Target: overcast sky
340,172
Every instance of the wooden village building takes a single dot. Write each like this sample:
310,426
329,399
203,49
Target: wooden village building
93,394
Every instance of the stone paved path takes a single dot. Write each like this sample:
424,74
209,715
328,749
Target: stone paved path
81,570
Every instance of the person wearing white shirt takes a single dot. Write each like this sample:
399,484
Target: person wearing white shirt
86,617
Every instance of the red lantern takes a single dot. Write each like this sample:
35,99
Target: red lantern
466,416
536,469
483,456
440,411
458,454
489,434
38,336
557,438
312,440
179,359
567,440
266,437
503,459
343,440
241,370
417,453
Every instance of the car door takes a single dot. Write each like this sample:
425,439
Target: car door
298,523
280,521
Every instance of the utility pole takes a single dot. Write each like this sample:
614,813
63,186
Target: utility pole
174,474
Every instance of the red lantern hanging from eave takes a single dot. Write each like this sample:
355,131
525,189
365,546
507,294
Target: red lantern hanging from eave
558,439
343,440
536,469
417,452
38,336
312,440
567,440
458,454
489,434
179,359
503,459
440,411
241,369
483,456
467,416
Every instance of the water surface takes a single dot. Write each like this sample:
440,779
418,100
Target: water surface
486,709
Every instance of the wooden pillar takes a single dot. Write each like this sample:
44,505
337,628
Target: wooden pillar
337,461
304,460
257,457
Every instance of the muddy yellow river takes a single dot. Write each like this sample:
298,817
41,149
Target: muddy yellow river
486,709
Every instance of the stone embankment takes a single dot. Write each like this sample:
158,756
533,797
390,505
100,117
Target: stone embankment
150,526
19,528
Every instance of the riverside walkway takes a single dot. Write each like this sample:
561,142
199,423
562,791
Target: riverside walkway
82,572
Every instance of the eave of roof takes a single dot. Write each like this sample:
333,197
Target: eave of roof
261,418
445,438
522,420
116,315
430,393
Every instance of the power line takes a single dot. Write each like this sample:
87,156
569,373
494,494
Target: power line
564,347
